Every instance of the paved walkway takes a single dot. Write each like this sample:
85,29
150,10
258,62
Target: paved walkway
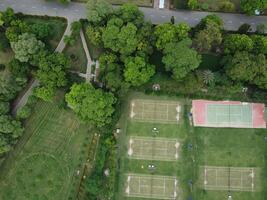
89,59
76,11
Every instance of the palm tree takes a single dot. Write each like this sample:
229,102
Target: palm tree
207,76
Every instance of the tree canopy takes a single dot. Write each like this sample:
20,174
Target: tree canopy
98,11
90,104
26,46
237,42
246,67
249,6
137,71
169,33
180,59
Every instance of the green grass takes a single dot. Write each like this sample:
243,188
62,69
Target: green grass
44,162
132,128
231,147
79,63
211,146
58,26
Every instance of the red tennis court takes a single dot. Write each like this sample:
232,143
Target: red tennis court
233,114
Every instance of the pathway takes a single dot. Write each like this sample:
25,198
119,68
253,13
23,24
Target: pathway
89,59
76,11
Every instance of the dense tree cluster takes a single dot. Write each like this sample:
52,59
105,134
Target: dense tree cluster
91,104
250,6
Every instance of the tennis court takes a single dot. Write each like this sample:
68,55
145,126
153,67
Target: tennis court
229,178
151,186
228,114
151,148
155,111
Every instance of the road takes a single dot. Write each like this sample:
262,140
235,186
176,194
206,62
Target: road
75,11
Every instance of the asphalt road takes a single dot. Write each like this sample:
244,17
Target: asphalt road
75,11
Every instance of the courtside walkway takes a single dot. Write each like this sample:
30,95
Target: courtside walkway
76,11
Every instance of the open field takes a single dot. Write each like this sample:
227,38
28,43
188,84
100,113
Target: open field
235,148
77,56
44,163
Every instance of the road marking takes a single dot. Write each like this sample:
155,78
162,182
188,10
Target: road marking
196,19
163,16
76,10
185,18
230,22
241,22
55,8
151,15
33,7
253,23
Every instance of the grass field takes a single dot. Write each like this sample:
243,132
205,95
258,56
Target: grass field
170,169
237,149
44,164
78,63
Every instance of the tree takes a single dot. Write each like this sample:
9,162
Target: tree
11,129
137,71
90,104
214,18
4,107
130,13
227,6
8,16
237,42
207,76
4,44
95,34
26,46
18,69
260,44
180,59
98,11
192,4
246,67
24,112
52,70
249,6
45,93
169,33
122,39
41,30
209,37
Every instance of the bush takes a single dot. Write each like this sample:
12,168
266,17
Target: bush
244,28
227,6
204,6
24,112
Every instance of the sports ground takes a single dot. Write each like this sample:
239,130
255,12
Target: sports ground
44,164
178,160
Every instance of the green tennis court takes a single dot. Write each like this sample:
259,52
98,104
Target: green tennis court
229,178
152,186
229,115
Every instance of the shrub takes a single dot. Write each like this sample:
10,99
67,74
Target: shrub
204,6
2,67
227,6
24,112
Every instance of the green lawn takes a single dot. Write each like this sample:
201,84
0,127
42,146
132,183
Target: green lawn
77,56
44,164
211,146
6,56
132,128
